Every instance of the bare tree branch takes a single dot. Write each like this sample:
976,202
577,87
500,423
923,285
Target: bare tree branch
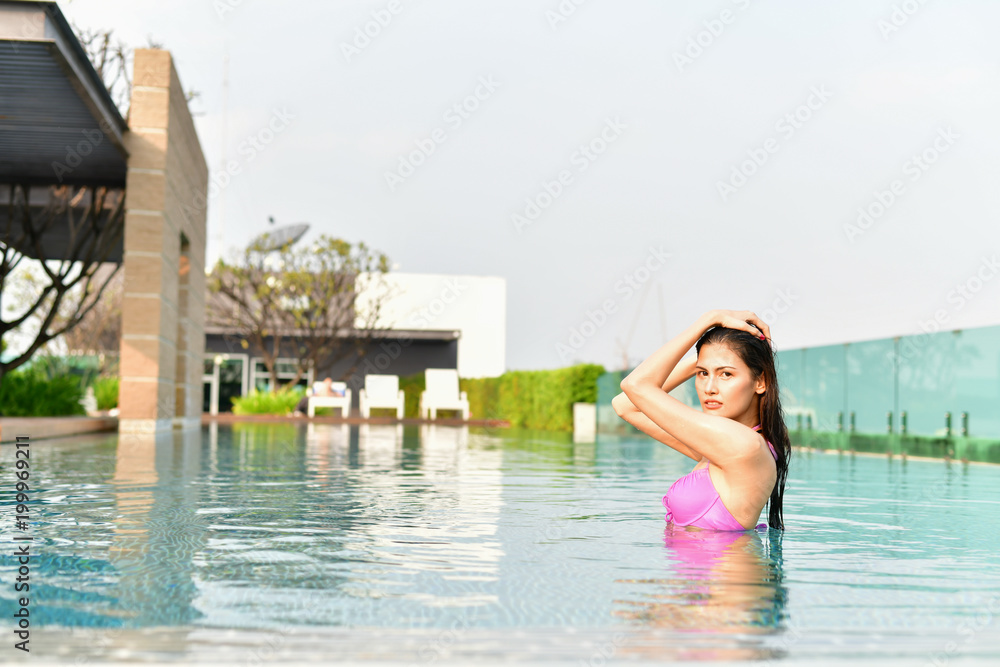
68,297
300,299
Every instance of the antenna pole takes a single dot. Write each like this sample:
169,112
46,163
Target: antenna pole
635,321
663,313
225,146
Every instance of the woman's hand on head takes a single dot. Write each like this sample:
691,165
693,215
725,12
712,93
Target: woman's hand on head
742,320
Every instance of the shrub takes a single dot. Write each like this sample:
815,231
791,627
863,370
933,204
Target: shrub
279,402
28,392
412,385
534,399
106,392
281,440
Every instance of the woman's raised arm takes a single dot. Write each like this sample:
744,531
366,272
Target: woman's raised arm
624,408
719,438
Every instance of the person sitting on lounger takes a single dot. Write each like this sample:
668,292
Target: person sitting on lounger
326,389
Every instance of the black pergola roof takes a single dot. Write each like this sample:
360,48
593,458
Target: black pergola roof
58,123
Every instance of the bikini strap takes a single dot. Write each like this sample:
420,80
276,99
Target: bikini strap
773,452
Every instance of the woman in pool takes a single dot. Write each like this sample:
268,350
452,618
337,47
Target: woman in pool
739,469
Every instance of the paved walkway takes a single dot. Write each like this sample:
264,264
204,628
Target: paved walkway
228,418
40,428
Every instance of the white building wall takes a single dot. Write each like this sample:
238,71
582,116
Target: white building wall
474,305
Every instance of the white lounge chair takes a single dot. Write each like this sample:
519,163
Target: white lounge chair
442,393
342,401
381,391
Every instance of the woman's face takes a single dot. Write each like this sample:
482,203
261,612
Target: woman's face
725,385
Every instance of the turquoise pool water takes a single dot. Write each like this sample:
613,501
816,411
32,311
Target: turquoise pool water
259,542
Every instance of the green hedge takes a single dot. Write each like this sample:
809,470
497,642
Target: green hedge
412,385
106,392
279,402
540,400
30,393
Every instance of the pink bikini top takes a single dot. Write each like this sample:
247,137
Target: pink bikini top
693,501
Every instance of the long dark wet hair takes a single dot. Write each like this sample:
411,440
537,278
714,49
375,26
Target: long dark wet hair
759,358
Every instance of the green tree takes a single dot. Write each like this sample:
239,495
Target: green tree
55,294
323,300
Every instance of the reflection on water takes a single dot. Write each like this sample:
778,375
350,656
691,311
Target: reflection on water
444,439
721,582
414,532
356,524
380,445
328,446
422,544
156,533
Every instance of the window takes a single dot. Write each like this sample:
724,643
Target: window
261,378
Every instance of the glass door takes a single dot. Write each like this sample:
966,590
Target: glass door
225,378
231,381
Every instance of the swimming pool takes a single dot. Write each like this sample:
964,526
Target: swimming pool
262,542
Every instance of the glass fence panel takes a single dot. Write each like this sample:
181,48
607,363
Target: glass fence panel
607,388
870,384
824,386
791,382
925,375
927,366
977,381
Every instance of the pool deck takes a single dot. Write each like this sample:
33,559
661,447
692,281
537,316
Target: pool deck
229,418
43,428
523,647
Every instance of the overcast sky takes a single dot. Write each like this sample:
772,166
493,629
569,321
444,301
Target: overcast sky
682,155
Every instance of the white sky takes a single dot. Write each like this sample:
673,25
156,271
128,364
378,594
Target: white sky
888,95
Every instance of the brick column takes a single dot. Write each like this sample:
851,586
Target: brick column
190,339
163,309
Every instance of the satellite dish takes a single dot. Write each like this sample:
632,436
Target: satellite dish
270,241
